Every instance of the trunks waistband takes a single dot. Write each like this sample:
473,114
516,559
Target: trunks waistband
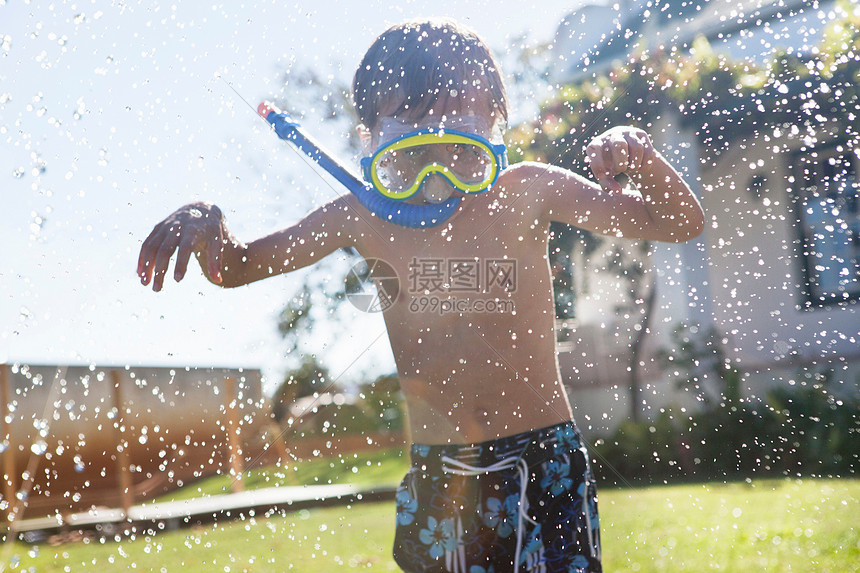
533,445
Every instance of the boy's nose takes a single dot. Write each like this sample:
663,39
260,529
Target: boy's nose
436,189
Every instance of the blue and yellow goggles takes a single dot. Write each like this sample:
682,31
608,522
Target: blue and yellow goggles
469,162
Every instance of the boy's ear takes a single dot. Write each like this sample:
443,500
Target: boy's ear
366,138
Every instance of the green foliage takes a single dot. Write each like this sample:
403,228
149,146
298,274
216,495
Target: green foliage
696,359
642,452
561,242
383,400
308,378
797,430
295,318
722,100
824,429
378,408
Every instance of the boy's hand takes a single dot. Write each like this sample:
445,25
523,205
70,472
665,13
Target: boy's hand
195,228
619,150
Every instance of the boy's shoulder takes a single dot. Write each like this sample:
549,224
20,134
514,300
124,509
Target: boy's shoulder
533,182
537,174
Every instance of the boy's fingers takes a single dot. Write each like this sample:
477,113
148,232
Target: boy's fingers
216,247
648,150
636,152
603,173
596,161
182,257
607,157
162,261
143,262
148,252
618,149
144,259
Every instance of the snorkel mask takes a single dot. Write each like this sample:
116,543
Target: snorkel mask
399,168
469,162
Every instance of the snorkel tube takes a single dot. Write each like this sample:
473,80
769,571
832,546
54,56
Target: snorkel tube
398,212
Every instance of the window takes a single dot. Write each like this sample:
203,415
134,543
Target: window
828,212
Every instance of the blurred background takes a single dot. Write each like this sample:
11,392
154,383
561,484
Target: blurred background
731,356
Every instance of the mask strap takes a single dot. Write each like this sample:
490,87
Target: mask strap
397,212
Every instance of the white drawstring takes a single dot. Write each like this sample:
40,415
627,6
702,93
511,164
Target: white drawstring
464,469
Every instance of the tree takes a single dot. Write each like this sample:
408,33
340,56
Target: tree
696,359
384,400
635,269
306,380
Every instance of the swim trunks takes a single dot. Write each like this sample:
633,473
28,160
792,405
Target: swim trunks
516,504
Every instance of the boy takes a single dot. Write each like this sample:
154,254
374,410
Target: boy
500,479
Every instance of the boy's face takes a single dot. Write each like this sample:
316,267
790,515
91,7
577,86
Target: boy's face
468,163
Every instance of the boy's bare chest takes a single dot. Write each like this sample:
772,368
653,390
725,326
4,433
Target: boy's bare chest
470,235
479,255
463,268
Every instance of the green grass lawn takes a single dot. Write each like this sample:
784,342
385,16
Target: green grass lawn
764,525
371,469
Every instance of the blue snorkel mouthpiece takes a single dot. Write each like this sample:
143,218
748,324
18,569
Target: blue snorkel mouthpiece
398,212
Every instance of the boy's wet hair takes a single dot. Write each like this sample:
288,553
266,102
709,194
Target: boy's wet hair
415,64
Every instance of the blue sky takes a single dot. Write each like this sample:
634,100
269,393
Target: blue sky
112,115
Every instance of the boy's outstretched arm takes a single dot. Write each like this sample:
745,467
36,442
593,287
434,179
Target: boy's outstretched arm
200,228
665,209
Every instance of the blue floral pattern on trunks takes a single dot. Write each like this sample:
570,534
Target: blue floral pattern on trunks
447,522
502,516
406,508
439,536
557,480
532,544
567,439
578,565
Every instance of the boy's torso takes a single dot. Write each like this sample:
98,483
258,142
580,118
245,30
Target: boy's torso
472,327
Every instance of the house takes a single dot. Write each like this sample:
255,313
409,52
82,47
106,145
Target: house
777,271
